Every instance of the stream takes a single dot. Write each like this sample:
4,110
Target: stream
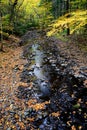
43,86
55,86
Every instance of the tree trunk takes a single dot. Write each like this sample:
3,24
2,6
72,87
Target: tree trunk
67,11
68,31
1,46
13,10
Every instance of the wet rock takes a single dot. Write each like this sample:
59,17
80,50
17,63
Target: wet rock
9,128
12,112
80,77
83,68
45,90
1,100
53,65
30,73
63,65
16,68
1,127
26,113
84,74
42,127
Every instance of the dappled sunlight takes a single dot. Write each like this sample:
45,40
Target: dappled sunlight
74,20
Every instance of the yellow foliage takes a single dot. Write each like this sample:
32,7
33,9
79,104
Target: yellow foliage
75,21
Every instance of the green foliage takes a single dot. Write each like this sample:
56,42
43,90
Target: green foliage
40,13
5,35
26,14
78,4
23,16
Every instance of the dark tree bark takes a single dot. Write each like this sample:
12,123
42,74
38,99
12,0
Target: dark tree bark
12,10
67,6
68,31
67,11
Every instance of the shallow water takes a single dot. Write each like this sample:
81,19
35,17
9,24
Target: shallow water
53,83
38,59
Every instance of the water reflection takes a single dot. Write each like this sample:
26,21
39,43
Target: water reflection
38,69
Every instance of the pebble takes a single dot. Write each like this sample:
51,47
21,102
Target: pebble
9,128
63,65
1,100
80,77
12,112
26,113
53,65
1,127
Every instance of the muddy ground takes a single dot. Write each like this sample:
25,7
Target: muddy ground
43,85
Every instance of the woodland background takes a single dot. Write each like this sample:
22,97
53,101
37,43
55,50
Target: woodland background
56,17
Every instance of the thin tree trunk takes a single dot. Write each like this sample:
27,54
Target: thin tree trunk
12,10
67,11
1,46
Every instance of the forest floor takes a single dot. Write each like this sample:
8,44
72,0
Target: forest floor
25,102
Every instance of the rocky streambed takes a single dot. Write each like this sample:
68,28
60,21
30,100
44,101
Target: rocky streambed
51,95
58,95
